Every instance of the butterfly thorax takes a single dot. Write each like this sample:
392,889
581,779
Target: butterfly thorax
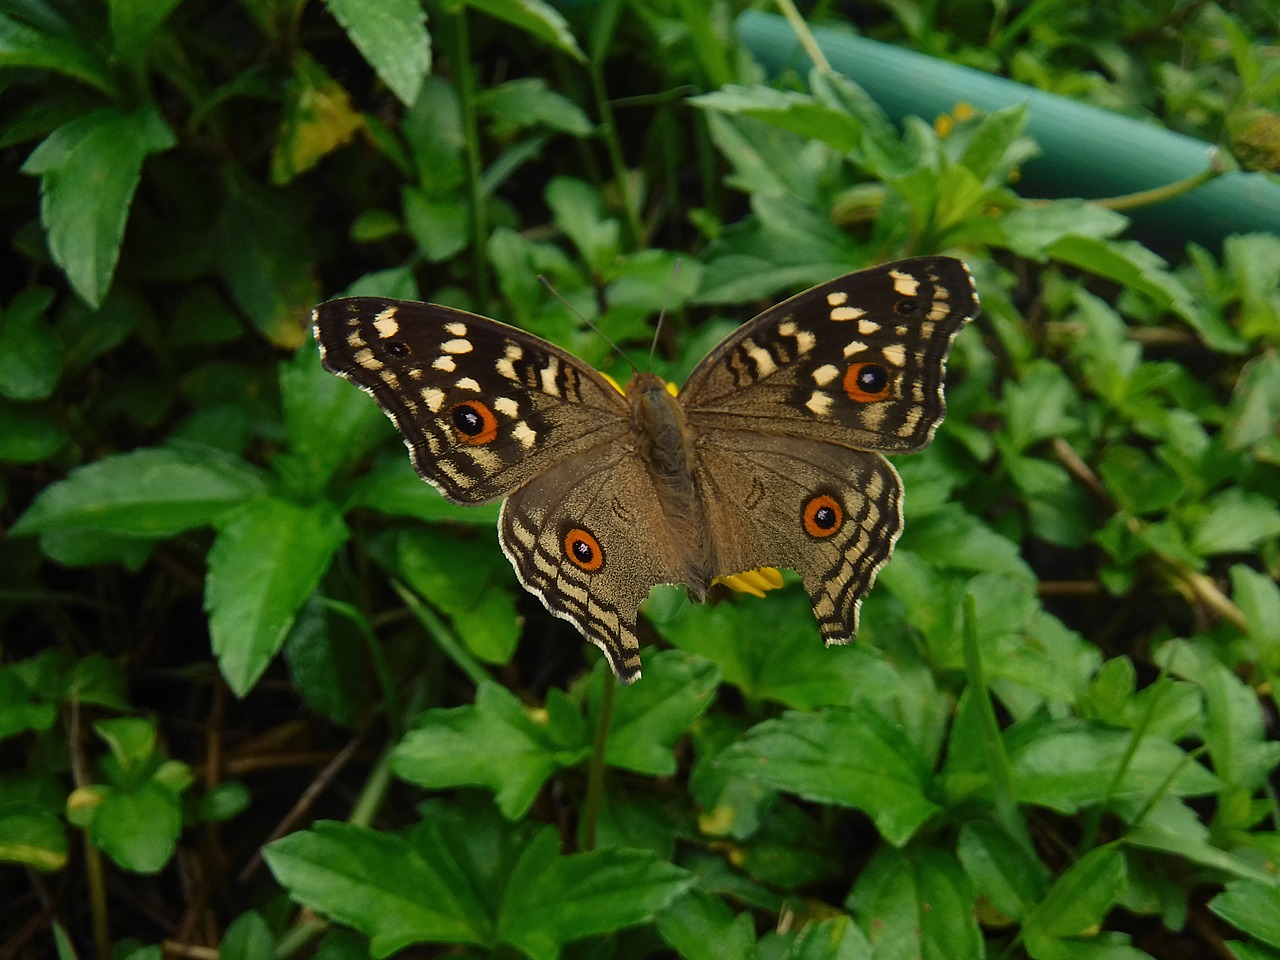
665,445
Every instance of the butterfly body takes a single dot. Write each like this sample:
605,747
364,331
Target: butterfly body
769,455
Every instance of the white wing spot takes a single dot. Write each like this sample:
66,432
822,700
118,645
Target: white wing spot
819,403
524,433
805,341
837,298
506,406
467,383
548,376
761,357
913,418
505,369
788,328
366,359
456,329
456,346
434,398
867,327
386,323
390,379
904,283
839,314
444,363
354,340
896,354
825,374
853,347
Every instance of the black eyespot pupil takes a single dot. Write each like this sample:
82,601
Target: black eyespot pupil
467,421
582,550
824,518
906,306
398,349
873,379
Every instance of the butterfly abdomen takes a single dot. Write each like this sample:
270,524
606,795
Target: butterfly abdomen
665,445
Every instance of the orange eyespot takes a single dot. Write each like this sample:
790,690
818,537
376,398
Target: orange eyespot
474,422
583,550
823,516
866,382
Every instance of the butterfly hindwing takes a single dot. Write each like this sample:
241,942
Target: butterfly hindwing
857,361
483,407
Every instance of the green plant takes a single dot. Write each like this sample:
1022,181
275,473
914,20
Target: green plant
1050,740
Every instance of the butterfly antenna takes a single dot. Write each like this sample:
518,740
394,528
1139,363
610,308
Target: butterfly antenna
662,315
590,323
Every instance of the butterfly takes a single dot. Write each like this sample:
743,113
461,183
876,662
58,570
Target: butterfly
769,456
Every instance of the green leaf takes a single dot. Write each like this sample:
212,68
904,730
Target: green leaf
32,837
468,580
496,744
540,20
1071,767
248,937
851,757
554,900
393,488
89,169
267,558
328,421
319,117
155,492
1079,899
519,104
138,829
1253,907
20,707
392,36
796,112
27,435
441,226
1258,598
1243,757
30,351
25,45
916,903
1001,869
699,926
133,24
771,650
377,883
1235,522
577,211
836,938
648,718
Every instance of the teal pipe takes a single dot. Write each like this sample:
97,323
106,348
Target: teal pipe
1086,151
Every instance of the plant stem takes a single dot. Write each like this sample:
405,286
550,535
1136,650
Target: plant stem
465,73
595,772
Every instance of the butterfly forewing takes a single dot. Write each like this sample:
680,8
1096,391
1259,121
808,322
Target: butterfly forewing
857,361
483,407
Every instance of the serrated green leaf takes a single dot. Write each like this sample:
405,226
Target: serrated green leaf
1253,907
265,561
1235,522
852,757
770,649
553,902
916,903
151,493
393,488
536,18
648,718
700,926
1001,869
519,104
1075,766
1078,900
1258,598
392,36
89,170
468,581
795,112
377,883
495,743
25,45
578,212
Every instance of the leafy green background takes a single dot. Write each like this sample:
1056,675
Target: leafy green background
263,691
